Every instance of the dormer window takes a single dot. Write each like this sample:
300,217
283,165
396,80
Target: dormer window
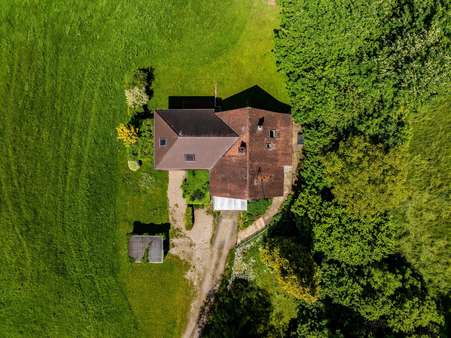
190,157
261,120
242,148
272,133
163,142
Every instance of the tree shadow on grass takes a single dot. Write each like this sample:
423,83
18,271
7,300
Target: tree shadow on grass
255,97
239,309
326,319
153,229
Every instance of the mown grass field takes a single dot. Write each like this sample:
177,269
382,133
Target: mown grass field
67,200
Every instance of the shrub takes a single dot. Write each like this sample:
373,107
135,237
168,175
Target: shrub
254,210
145,143
137,134
143,147
189,217
145,182
196,188
136,92
127,133
136,97
140,78
134,165
294,268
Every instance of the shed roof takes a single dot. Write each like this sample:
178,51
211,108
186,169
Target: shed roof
138,244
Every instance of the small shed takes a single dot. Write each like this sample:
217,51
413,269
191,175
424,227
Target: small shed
146,247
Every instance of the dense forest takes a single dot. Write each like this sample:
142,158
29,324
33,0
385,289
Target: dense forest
363,244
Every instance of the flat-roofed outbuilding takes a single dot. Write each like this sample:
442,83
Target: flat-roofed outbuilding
140,245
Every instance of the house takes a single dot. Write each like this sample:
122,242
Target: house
145,247
245,150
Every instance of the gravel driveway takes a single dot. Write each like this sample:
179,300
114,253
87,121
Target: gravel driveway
207,256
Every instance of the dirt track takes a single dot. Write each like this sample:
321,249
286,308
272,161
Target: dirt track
207,256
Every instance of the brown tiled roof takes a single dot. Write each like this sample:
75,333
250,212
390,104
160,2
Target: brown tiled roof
258,172
230,145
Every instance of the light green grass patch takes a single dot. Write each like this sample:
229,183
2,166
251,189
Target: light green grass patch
428,209
255,209
160,296
143,195
229,45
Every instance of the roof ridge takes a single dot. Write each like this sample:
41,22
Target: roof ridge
225,152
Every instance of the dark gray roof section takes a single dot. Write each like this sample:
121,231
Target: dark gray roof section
138,244
196,122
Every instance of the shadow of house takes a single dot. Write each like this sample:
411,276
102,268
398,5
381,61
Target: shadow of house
152,229
194,102
255,97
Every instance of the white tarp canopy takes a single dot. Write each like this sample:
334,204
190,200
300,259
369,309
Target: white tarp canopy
225,203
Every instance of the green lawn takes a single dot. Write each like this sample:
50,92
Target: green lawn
66,197
428,210
160,297
159,294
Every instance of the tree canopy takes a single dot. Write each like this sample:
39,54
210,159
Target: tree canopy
357,73
371,207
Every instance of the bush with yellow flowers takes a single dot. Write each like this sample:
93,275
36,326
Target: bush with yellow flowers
127,133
